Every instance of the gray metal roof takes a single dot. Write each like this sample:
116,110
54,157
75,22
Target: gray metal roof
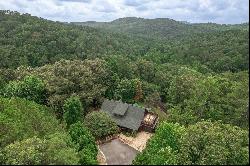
120,108
131,118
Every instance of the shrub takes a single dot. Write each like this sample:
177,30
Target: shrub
86,157
100,124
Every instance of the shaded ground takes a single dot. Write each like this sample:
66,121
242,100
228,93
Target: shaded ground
118,153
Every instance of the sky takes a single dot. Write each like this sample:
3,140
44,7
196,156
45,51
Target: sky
194,11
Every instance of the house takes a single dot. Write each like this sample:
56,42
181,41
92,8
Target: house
128,116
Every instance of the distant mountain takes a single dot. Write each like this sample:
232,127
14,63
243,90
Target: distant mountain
32,41
159,27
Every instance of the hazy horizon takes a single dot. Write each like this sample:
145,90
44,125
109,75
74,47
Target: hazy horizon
192,11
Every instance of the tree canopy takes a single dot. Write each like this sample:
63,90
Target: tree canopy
54,77
204,143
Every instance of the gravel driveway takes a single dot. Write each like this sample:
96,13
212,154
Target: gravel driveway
118,153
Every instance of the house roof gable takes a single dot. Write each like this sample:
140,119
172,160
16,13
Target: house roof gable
132,117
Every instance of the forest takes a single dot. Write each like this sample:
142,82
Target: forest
53,75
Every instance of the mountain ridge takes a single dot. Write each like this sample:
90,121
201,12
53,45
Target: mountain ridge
164,28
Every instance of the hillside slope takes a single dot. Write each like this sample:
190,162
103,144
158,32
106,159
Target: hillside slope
160,27
29,40
32,41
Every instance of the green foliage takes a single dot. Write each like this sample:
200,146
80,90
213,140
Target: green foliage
86,79
149,28
162,115
215,144
163,147
204,143
168,134
6,75
205,47
212,97
121,65
85,142
182,85
192,71
145,69
72,110
29,151
87,157
127,90
27,125
82,137
36,151
21,119
32,41
185,117
31,88
60,149
100,124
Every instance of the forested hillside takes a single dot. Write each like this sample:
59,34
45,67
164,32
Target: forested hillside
160,28
28,40
53,75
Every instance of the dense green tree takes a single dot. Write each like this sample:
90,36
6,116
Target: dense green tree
6,75
17,152
127,90
85,142
146,69
160,28
87,158
153,100
113,82
138,91
214,144
100,124
21,119
204,143
163,147
182,85
31,88
86,79
213,97
27,125
121,65
36,151
72,110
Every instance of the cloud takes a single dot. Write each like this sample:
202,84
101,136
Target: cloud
106,7
137,2
85,1
218,11
142,8
131,3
